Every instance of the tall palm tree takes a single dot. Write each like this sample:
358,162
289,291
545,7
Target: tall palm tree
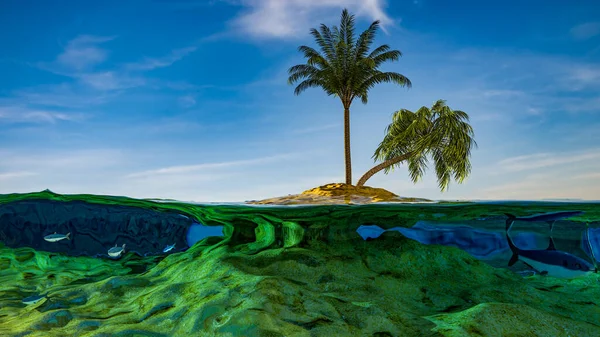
345,68
441,133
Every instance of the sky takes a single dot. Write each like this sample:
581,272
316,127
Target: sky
188,99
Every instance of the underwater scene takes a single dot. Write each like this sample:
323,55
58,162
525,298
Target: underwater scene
89,265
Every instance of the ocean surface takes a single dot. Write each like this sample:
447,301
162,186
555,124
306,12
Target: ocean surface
84,265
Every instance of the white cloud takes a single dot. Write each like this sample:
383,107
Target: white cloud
66,171
210,166
281,19
315,129
551,185
586,30
22,114
110,80
592,175
104,171
503,93
64,95
12,175
150,63
542,160
187,101
585,75
67,161
83,52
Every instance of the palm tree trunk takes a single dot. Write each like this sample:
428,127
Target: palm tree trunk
348,161
380,167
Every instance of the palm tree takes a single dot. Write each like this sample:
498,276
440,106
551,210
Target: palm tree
345,68
441,133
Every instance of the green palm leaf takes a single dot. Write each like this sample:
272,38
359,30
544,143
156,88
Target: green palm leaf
439,133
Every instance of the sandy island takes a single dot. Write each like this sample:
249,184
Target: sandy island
338,193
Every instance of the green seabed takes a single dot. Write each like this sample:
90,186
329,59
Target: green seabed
294,271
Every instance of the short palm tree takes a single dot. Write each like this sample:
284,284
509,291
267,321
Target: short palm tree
441,133
345,68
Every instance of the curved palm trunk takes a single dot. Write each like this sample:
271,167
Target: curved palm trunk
380,167
348,161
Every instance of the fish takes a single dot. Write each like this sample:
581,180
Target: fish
549,218
56,237
168,248
116,251
33,299
550,262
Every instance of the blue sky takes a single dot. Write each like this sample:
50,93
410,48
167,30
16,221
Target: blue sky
188,99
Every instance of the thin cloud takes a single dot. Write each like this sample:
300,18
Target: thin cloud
542,186
22,114
315,129
150,63
187,101
209,166
13,175
503,93
60,170
63,95
83,52
110,80
585,75
593,175
586,30
67,161
542,160
284,19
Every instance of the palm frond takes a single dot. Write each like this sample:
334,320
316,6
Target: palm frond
390,55
417,164
379,50
347,28
383,77
365,40
324,42
309,83
437,132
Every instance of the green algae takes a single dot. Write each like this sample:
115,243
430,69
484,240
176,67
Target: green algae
296,271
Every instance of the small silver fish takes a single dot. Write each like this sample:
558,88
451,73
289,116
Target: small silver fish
56,237
116,251
168,248
33,299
